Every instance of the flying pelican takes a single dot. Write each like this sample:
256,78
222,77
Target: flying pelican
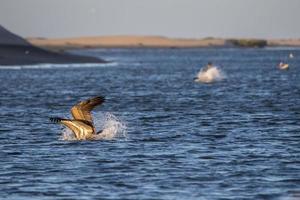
82,125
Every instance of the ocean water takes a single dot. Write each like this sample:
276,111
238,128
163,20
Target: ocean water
238,138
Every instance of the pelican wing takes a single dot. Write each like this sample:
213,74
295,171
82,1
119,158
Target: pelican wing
82,110
81,129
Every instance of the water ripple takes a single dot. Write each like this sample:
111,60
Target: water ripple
234,139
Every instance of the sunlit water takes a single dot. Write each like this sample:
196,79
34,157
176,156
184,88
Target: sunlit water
238,138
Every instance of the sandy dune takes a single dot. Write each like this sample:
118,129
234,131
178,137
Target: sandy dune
143,41
284,42
126,41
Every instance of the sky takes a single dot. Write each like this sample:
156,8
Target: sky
171,18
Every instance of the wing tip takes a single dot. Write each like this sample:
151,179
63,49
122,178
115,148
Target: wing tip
98,99
55,119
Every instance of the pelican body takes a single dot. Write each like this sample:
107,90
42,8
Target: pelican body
283,66
82,125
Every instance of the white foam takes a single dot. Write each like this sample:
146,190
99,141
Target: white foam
50,66
211,75
111,126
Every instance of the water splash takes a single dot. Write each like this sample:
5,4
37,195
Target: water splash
111,126
211,75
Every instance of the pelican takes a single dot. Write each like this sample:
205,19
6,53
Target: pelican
283,66
82,125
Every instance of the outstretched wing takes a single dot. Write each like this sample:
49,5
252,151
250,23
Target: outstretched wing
80,129
82,110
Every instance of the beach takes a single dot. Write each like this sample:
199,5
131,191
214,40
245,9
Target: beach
148,41
125,41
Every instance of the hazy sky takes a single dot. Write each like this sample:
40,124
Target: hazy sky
173,18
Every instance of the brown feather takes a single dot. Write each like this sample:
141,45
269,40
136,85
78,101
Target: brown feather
82,124
82,110
80,129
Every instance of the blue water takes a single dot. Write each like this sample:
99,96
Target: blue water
234,139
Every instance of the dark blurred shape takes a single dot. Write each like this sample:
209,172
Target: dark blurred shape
14,50
248,43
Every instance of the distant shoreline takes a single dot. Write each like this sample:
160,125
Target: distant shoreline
155,42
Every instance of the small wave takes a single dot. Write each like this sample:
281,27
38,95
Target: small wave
51,66
111,126
211,75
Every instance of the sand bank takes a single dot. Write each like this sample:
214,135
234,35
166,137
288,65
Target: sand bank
125,41
147,41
